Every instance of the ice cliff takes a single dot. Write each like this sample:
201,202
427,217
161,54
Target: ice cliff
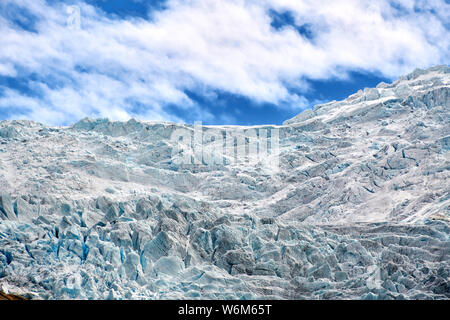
360,207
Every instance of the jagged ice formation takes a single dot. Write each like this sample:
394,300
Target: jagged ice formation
359,208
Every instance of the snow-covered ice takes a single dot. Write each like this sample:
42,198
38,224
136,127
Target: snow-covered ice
359,208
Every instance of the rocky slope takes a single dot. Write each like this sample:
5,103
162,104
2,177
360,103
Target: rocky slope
359,207
4,296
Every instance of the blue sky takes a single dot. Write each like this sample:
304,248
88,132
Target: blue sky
223,62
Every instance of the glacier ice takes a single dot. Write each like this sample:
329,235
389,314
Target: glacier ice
359,208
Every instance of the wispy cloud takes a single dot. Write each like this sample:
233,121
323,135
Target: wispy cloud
134,67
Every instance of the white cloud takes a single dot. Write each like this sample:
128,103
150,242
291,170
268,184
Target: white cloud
109,66
7,70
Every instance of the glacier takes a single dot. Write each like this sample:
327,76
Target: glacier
359,208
